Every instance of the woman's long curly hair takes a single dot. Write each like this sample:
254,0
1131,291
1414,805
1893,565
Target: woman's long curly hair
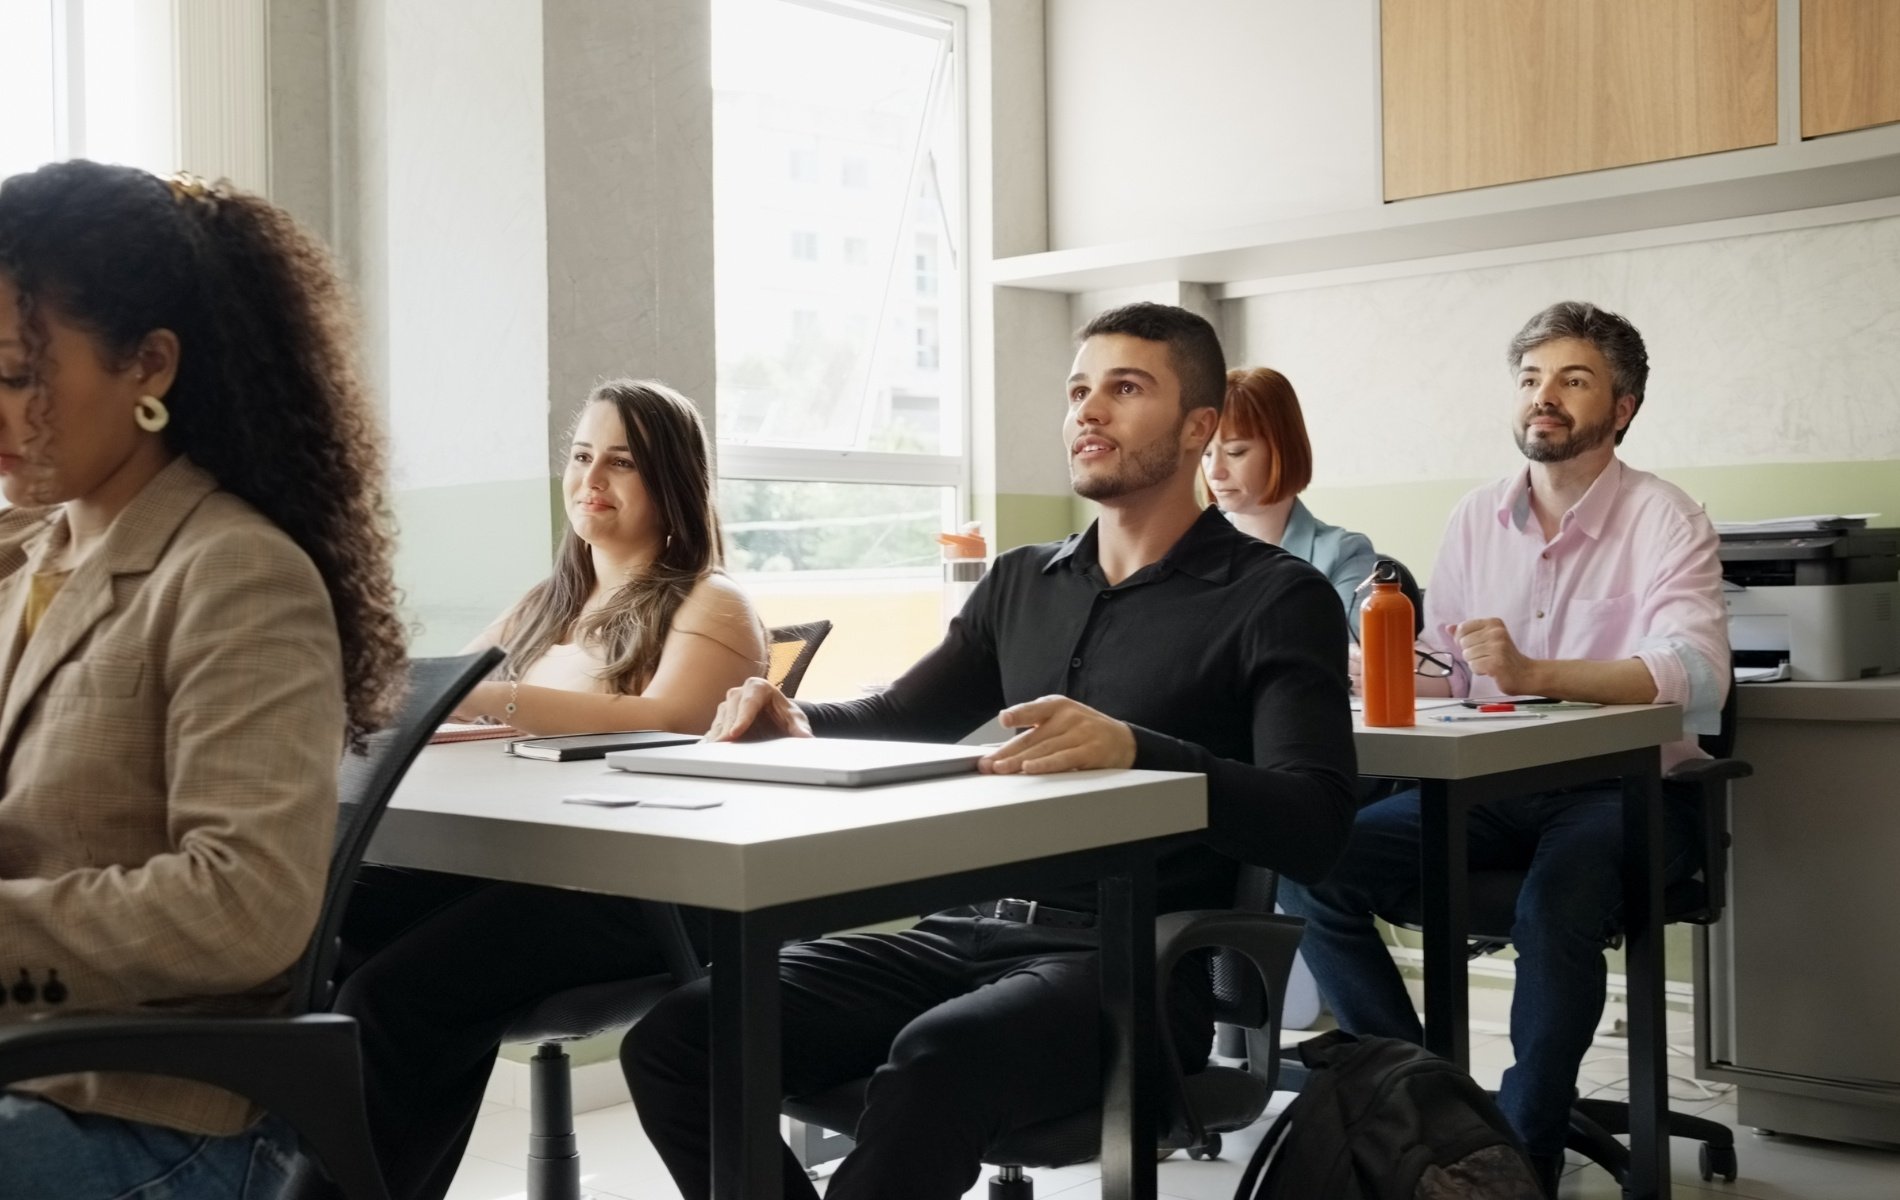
269,396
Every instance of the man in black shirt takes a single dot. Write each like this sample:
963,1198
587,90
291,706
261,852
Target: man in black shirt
1161,638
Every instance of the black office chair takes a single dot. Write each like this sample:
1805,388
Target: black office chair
554,1162
1698,900
792,649
305,1067
1204,1105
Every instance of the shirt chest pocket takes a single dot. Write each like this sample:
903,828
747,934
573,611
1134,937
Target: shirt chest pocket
1599,627
96,681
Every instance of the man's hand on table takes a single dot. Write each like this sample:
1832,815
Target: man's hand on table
754,711
1059,734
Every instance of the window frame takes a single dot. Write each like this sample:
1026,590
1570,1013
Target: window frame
804,464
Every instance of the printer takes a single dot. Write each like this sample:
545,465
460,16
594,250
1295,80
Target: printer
1827,602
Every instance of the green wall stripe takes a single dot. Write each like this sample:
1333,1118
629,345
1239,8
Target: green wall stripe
464,553
1408,519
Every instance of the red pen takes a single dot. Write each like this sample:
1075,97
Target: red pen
1497,708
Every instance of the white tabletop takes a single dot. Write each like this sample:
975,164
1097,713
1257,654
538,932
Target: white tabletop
474,810
1467,749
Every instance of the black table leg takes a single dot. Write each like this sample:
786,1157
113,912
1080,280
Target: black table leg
1442,853
1130,1111
1643,963
746,1073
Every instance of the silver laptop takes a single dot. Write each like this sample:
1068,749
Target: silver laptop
835,762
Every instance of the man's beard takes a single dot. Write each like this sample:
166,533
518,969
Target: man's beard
1141,468
1582,438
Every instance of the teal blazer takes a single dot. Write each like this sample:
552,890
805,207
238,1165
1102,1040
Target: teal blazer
1344,557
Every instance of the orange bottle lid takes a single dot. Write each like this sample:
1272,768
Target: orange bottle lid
963,545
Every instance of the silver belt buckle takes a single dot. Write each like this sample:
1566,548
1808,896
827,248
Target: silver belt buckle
1032,905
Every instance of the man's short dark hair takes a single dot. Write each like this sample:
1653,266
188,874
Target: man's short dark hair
1193,347
1613,336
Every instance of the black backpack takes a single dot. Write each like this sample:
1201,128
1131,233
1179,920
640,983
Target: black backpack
1383,1119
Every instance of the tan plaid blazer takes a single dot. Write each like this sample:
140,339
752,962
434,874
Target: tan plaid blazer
169,738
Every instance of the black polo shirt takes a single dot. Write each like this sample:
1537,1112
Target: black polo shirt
1227,657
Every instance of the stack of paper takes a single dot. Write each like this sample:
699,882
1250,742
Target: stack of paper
1809,524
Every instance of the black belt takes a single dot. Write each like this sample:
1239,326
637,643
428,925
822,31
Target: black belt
1032,912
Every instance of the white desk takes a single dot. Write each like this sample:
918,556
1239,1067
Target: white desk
1460,764
775,862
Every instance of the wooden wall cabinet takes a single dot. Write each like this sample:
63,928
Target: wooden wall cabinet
1850,65
1482,92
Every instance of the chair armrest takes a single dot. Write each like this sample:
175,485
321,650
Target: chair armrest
305,1069
1266,940
1700,771
229,1052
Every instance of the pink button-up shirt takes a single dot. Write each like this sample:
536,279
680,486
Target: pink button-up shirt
1632,572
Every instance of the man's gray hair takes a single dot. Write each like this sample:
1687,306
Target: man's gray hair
1613,336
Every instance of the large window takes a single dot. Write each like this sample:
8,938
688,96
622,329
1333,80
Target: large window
87,79
841,306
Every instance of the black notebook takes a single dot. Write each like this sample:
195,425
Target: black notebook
574,746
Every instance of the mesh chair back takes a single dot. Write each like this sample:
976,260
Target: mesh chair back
793,648
365,783
1239,998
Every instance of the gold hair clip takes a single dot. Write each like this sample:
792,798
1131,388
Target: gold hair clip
186,185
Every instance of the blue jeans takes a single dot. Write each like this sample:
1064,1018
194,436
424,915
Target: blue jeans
1571,841
48,1151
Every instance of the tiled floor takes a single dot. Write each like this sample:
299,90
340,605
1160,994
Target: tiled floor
619,1164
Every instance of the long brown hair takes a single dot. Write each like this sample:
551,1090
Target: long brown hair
667,442
269,397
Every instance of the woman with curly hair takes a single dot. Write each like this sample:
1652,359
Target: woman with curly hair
196,618
637,628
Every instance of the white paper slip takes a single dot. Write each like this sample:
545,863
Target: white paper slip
610,800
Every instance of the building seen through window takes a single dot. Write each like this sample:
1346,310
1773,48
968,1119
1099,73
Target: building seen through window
842,401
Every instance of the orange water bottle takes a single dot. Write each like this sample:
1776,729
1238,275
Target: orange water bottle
1385,634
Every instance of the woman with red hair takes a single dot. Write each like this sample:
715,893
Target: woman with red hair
1257,466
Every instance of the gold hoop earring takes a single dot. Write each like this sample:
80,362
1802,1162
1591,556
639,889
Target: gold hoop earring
151,414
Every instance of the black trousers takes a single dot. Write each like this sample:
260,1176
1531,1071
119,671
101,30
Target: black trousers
435,968
969,1027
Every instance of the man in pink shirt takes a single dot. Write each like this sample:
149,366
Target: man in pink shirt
1578,578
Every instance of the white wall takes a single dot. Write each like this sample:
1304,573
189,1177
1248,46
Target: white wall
466,241
1771,348
1207,113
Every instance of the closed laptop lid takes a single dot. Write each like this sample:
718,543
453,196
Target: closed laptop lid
834,762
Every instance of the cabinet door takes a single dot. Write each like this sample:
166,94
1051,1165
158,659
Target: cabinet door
1805,977
1481,92
1850,65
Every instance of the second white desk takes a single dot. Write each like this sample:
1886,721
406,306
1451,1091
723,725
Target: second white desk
1460,764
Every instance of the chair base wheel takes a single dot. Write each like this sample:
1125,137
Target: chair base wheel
1010,1183
1717,1160
1206,1151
